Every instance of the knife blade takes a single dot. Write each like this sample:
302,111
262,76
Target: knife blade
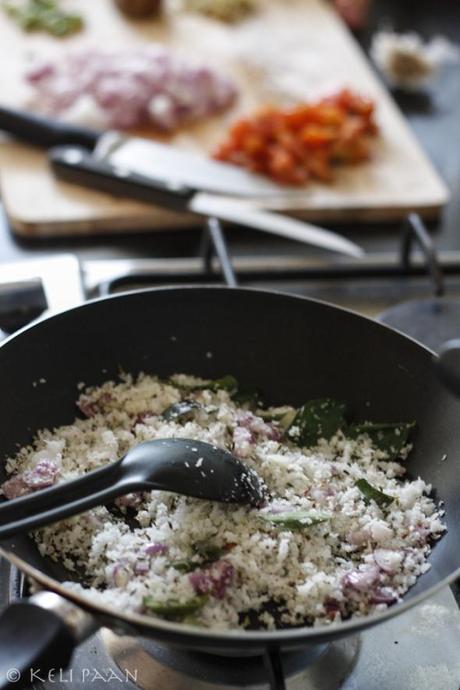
78,166
161,175
153,159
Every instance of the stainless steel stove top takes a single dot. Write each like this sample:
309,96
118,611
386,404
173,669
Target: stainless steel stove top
415,651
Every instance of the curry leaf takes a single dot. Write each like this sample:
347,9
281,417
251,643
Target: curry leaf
317,419
227,383
283,415
208,552
391,438
184,566
370,493
249,395
296,519
174,610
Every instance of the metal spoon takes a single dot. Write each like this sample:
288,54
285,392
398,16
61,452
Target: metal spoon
183,466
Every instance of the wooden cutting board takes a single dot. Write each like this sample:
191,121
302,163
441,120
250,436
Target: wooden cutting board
289,49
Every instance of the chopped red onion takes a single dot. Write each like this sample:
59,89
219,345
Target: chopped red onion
320,493
141,567
332,607
422,534
141,417
359,537
361,580
242,439
41,476
214,579
15,487
256,425
384,595
156,549
121,573
131,88
92,407
388,560
132,500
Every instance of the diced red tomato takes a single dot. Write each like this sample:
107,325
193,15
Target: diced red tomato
293,145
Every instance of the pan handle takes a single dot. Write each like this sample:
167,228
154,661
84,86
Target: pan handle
38,635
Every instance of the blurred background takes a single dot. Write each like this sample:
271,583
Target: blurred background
431,111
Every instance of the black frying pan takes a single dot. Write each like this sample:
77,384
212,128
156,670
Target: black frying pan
293,349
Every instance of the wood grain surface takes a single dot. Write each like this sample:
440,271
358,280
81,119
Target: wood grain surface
307,51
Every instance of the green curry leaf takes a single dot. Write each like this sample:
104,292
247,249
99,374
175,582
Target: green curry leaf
390,438
317,419
370,493
174,610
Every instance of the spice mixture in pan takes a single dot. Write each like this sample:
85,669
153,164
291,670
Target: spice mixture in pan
342,534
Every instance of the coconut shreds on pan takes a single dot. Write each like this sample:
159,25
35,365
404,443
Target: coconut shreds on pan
342,534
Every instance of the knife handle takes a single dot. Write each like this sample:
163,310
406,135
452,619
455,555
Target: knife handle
78,166
45,132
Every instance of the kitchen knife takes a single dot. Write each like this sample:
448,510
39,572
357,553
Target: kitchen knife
164,176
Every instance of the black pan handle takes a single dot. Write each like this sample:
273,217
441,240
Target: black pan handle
78,166
45,132
33,641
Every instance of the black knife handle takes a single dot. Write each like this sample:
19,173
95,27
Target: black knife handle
78,166
45,132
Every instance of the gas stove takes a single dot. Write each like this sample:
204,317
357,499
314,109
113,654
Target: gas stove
413,651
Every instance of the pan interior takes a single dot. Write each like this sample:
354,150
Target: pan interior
293,349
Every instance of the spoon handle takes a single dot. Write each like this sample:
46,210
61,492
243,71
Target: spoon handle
61,501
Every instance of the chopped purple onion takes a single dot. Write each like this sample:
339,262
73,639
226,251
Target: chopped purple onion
332,607
131,88
132,500
44,474
121,573
384,595
156,549
141,567
388,560
258,427
15,487
361,580
89,407
214,580
242,440
41,476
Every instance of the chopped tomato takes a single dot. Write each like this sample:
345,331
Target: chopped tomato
293,145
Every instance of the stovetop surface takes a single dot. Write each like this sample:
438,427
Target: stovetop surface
415,651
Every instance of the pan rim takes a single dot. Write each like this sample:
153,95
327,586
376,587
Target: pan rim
225,637
223,288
